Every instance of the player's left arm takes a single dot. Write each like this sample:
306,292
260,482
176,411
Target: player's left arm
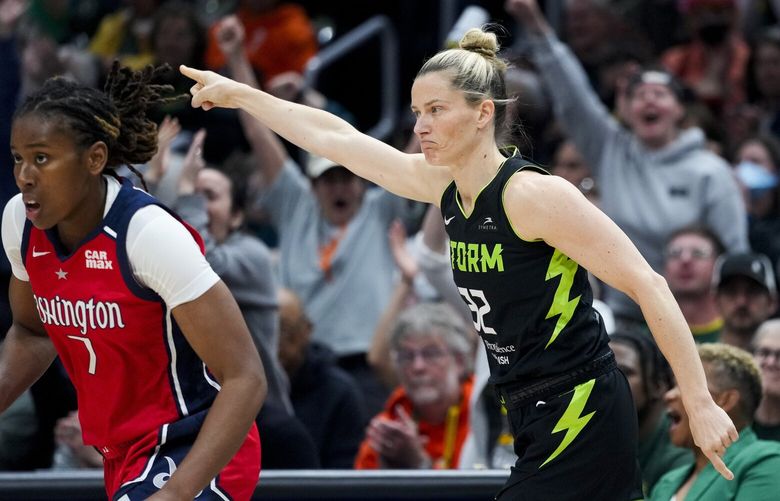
551,209
215,328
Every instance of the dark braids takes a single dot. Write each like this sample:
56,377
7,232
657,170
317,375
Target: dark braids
116,116
656,371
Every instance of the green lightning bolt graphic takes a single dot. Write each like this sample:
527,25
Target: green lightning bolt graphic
571,421
561,265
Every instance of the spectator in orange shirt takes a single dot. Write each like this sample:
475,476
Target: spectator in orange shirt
426,419
714,63
279,38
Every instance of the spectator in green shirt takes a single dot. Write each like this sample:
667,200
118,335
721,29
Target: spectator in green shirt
734,380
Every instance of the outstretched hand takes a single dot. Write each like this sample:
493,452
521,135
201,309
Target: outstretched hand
166,133
713,432
405,261
192,164
211,90
527,14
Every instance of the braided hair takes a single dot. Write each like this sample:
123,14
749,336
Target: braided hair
115,116
656,372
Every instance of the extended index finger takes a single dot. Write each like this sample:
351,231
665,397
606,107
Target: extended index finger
719,465
192,73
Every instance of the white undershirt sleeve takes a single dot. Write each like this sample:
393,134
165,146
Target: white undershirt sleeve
13,229
164,257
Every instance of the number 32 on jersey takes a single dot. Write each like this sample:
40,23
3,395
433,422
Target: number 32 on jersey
479,310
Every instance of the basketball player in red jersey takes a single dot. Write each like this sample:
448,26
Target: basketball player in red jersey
168,380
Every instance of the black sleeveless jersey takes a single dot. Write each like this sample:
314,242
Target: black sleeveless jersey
530,303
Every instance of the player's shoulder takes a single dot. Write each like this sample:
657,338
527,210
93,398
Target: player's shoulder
149,214
530,179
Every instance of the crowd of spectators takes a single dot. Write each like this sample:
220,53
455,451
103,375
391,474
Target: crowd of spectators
666,114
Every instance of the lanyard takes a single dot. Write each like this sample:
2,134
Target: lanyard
328,250
450,436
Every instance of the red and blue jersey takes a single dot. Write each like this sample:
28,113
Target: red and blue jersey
132,368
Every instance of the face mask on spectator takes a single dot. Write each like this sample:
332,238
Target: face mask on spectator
755,177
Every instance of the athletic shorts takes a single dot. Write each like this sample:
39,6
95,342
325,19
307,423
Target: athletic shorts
573,444
137,470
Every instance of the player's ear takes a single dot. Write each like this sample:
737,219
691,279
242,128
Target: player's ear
96,157
487,110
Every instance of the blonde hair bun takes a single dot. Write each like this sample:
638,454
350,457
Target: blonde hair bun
481,42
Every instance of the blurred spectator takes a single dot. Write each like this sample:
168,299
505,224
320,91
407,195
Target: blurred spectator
42,58
489,442
178,37
764,80
279,38
30,55
126,35
714,62
11,12
326,399
758,171
426,419
766,352
654,177
412,287
18,431
214,202
746,295
591,27
286,442
71,453
333,245
52,17
528,114
735,384
617,67
761,115
67,21
291,86
650,377
756,166
569,164
689,261
757,15
403,297
662,22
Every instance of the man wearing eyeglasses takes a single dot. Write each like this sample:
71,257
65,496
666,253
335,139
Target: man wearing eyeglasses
745,294
689,259
426,419
766,351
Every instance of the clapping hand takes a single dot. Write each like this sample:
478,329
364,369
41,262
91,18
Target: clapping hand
397,441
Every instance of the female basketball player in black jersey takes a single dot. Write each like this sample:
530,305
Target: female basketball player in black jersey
518,241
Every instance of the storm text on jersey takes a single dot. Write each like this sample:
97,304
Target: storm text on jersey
477,258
